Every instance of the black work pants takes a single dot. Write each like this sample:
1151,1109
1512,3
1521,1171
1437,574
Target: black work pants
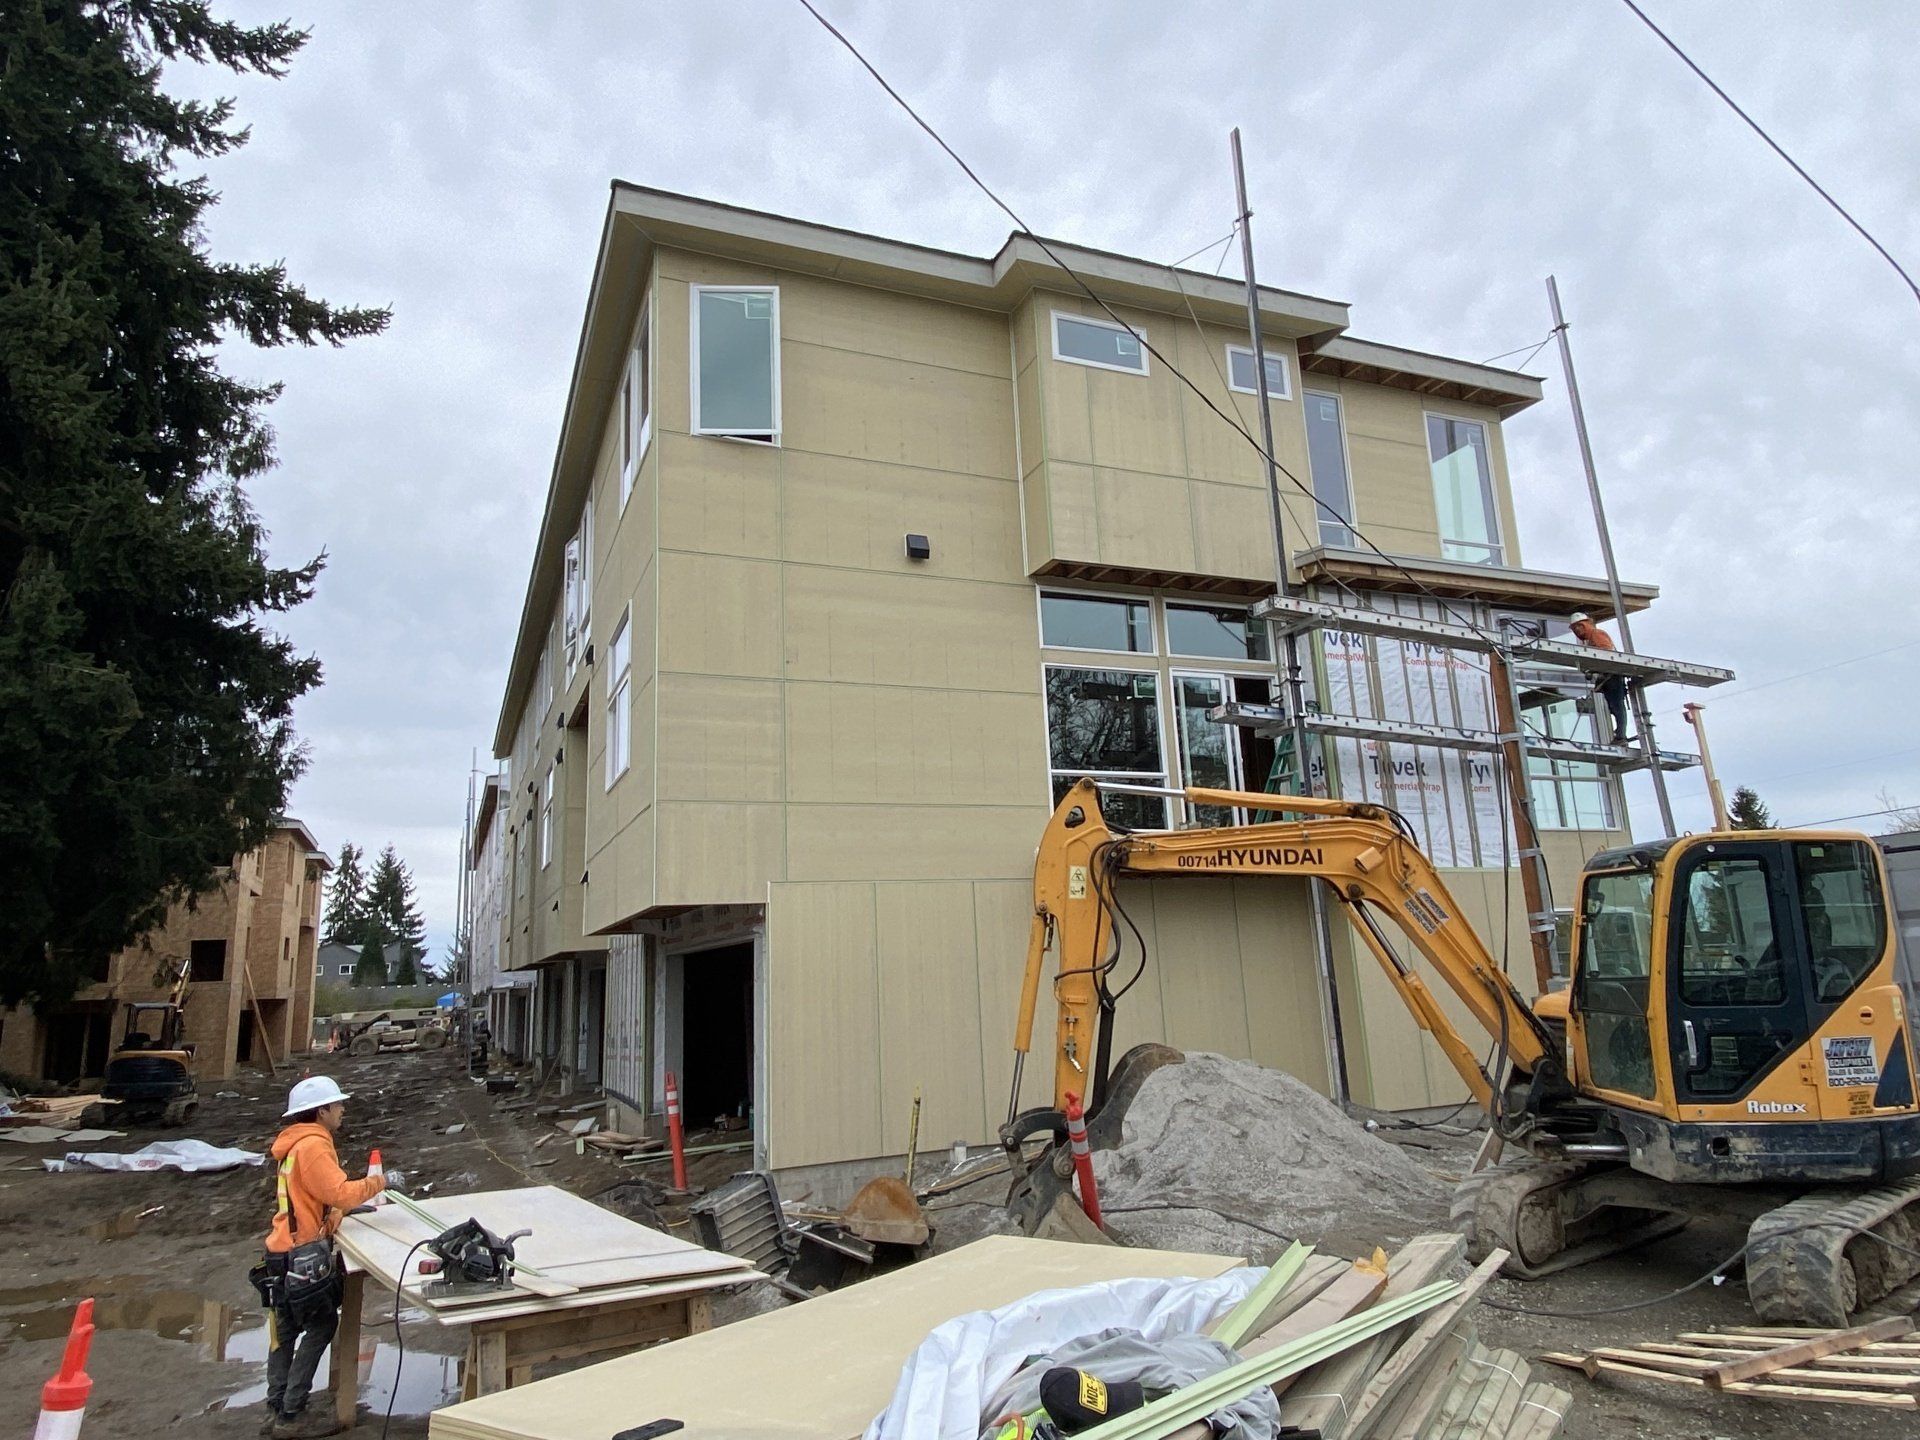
1613,690
302,1330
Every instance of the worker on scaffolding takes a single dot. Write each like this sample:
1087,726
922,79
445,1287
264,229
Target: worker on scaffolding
299,1279
1611,688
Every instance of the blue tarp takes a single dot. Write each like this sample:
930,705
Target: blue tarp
448,1000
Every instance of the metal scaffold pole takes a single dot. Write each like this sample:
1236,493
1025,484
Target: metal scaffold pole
1642,714
1286,648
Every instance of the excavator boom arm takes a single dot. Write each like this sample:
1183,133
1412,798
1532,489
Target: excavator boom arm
1367,859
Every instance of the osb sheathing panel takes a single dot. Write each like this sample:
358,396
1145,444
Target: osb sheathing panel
717,854
819,1371
905,746
720,738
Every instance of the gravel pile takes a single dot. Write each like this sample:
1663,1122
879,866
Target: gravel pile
1224,1156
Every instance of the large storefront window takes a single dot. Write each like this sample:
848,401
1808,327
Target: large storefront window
1106,724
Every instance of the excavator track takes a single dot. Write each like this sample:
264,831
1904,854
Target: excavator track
1808,1263
1537,1211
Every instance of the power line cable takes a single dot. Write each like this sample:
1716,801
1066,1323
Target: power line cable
1774,145
1800,675
1139,338
1836,819
1817,769
1531,352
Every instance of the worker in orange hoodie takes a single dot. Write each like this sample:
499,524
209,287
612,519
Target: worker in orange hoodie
299,1278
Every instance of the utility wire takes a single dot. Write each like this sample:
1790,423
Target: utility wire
1774,145
1798,675
1245,434
1531,352
1836,819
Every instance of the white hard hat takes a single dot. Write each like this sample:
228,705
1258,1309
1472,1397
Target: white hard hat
1578,616
313,1092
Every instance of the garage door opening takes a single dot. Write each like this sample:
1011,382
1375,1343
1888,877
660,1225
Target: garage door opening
716,1034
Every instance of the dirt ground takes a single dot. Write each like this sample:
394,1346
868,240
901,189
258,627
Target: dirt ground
180,1346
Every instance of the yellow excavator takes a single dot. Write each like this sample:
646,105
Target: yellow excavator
149,1078
1734,1041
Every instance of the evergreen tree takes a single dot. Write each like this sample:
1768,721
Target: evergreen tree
391,907
371,967
1747,812
145,709
346,915
403,971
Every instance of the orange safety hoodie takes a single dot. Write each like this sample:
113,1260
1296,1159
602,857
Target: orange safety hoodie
313,1191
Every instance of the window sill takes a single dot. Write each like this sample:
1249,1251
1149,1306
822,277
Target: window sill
767,442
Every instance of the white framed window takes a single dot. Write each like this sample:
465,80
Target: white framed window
578,581
1220,757
1327,464
734,336
1567,794
1240,375
546,820
1113,624
346,969
636,402
1099,343
1220,632
619,700
1463,490
1105,724
546,667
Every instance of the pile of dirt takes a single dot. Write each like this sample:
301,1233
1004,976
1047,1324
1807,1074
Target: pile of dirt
1222,1155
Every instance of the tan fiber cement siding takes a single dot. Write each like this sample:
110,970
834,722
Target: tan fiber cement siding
876,989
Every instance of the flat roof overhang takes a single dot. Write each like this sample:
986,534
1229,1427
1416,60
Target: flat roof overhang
1552,591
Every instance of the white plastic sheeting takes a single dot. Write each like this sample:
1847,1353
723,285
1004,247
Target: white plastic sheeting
192,1156
948,1380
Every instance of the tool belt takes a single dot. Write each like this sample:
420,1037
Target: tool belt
294,1277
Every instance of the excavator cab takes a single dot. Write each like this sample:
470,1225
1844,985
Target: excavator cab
1734,994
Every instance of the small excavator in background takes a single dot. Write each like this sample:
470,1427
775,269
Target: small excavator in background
149,1078
1735,1040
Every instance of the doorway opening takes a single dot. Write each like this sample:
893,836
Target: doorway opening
716,1034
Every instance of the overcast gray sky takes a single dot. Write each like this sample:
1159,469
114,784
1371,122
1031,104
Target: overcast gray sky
1748,364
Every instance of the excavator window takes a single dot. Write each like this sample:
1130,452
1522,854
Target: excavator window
1845,914
1614,977
1727,951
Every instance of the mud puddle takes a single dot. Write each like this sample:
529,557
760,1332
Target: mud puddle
220,1334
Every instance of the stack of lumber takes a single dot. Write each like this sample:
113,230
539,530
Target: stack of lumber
57,1111
578,1254
1876,1364
816,1371
1423,1378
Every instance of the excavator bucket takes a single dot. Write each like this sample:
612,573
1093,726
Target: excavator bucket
884,1212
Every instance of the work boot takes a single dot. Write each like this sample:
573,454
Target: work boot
269,1420
308,1424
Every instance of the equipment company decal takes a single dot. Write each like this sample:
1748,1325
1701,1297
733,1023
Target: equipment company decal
1850,1061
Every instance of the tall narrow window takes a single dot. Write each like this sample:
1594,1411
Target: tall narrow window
736,362
1463,490
1327,459
636,404
619,702
546,820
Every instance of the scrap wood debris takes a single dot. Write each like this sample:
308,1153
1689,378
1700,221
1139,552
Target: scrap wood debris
1876,1364
1382,1348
